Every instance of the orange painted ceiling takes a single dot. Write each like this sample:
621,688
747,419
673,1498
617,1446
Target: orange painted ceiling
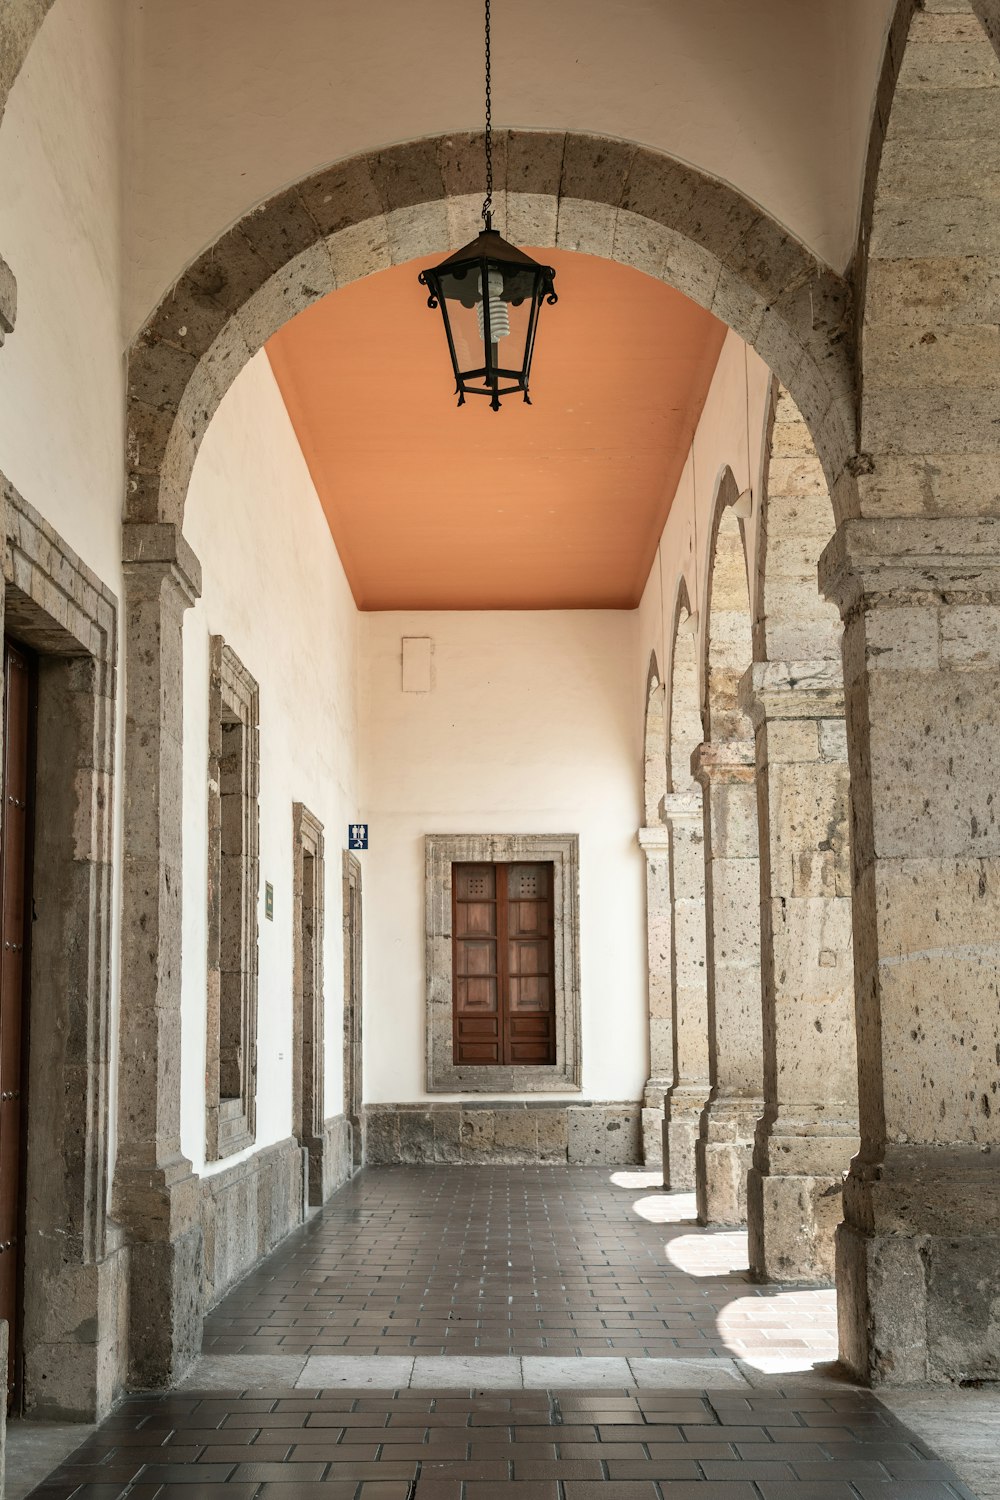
557,505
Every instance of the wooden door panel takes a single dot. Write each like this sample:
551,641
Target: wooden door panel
476,985
502,963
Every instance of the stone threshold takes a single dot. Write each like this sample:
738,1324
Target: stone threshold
457,1372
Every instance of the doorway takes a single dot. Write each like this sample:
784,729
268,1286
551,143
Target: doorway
353,1073
20,698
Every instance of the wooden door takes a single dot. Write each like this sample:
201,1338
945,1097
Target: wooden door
503,979
15,870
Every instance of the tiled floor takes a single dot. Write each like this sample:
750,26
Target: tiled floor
602,1445
515,1261
632,1339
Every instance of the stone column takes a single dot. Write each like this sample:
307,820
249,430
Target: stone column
686,1100
156,1195
732,909
918,1256
655,845
809,1129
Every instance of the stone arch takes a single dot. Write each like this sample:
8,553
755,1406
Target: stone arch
724,766
683,705
792,619
654,756
582,192
686,1098
794,697
728,631
929,311
20,23
653,842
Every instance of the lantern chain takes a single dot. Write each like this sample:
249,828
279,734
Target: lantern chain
488,200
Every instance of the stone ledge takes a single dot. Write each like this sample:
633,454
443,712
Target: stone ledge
505,1132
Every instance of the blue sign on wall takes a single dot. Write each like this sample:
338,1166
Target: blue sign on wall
357,836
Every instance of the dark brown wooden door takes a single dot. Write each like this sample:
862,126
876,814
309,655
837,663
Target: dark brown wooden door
15,864
503,981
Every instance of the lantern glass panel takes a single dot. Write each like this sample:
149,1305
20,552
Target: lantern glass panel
490,305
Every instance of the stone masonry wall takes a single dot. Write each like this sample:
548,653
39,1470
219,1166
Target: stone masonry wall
503,1132
247,1210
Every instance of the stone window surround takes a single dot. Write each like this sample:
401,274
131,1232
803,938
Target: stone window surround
231,1122
54,604
308,1002
441,852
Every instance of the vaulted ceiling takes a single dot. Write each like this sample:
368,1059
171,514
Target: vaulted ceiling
555,505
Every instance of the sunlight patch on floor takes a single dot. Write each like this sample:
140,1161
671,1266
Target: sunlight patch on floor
635,1177
666,1208
709,1255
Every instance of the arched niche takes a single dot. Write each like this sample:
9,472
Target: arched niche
654,757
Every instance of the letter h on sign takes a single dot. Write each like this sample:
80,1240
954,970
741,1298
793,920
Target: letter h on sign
357,836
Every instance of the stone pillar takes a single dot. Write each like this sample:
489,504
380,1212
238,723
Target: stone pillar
732,909
687,1098
655,845
918,1256
809,1129
156,1195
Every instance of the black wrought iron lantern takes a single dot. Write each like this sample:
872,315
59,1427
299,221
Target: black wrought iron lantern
490,294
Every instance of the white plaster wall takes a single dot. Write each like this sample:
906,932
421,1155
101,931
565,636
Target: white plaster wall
237,98
533,725
730,434
275,589
61,370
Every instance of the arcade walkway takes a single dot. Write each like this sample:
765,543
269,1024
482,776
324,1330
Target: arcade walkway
509,1334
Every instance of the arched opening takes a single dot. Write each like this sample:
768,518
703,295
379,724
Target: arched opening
724,766
794,694
652,838
324,233
683,810
654,741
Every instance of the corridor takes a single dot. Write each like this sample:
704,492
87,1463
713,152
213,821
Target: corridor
508,1334
530,1261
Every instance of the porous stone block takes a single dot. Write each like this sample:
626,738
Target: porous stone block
601,1134
337,1163
723,1157
652,1136
247,1209
447,1135
382,1139
416,1136
515,1135
792,1223
918,1255
680,1140
553,1133
478,1134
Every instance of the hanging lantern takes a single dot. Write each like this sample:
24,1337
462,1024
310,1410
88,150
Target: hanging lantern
490,294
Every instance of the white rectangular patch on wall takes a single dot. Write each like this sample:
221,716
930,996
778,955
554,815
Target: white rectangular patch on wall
416,663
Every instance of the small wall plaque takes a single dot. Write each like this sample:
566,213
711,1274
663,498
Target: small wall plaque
269,901
357,836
